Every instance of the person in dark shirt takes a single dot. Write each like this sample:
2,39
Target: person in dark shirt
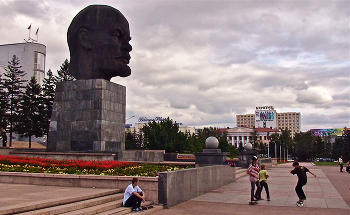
302,180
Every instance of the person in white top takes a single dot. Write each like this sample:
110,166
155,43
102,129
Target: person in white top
133,196
340,161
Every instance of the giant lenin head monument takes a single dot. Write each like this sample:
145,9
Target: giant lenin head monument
89,113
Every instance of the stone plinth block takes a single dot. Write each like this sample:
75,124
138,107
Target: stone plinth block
210,157
88,115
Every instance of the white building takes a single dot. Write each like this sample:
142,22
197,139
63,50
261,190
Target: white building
31,57
243,135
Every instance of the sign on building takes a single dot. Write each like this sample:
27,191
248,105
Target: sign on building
265,117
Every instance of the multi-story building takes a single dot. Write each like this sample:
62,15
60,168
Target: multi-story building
247,120
31,57
267,117
290,121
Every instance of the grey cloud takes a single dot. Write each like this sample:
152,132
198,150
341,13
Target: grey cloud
313,97
203,62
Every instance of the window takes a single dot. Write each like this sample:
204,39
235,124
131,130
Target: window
39,67
39,61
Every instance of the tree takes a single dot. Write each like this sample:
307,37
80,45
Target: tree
204,133
3,104
304,146
31,118
274,144
14,85
341,146
254,140
133,140
48,95
164,135
286,141
63,73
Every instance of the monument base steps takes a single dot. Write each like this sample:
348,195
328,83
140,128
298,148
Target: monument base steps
104,203
240,173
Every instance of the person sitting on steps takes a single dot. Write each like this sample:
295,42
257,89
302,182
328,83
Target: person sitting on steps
133,196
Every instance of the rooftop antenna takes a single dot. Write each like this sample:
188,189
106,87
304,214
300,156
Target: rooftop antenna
29,38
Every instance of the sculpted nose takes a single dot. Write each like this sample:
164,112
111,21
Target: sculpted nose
127,47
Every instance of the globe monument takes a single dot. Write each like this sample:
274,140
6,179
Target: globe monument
211,155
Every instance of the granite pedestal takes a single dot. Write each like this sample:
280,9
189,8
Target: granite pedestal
87,116
210,157
245,158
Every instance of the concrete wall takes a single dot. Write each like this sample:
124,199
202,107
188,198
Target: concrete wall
182,185
147,184
143,155
266,161
65,156
169,189
128,155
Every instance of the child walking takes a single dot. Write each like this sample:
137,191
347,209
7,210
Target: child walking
253,172
263,175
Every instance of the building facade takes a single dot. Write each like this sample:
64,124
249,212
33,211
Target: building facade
267,117
290,121
244,135
31,57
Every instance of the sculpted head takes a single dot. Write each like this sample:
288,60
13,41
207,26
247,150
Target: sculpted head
98,40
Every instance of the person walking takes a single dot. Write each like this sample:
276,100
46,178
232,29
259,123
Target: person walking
253,172
263,175
302,180
4,138
340,161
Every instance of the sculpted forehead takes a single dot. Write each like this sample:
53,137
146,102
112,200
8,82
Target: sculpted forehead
97,17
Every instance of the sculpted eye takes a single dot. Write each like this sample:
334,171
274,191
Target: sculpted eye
116,33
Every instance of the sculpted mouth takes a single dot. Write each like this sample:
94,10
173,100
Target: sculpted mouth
124,59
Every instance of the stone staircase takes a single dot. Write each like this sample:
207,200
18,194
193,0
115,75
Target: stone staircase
240,172
104,203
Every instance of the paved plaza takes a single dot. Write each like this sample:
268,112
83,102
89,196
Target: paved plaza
322,196
328,193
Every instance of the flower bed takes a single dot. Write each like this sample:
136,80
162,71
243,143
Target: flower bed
80,167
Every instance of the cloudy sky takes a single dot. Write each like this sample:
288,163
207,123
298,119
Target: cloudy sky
203,62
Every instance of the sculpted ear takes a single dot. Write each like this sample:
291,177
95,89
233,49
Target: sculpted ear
83,36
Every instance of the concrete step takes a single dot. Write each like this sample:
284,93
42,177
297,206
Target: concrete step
127,210
151,210
96,209
240,172
23,208
75,206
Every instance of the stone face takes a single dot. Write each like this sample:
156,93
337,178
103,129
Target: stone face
211,143
91,122
98,39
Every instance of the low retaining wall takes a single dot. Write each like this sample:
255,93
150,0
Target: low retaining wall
66,156
148,184
182,185
143,155
266,161
127,155
169,189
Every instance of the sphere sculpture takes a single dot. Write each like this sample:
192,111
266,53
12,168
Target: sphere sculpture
248,146
211,143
